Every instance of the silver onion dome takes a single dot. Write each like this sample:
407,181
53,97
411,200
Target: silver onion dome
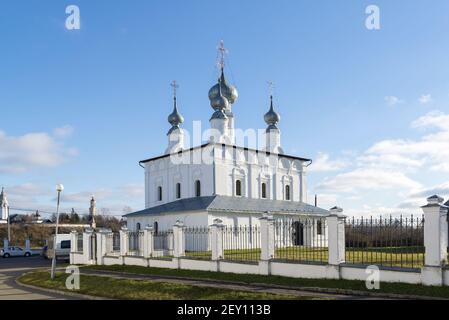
228,91
175,118
272,118
219,102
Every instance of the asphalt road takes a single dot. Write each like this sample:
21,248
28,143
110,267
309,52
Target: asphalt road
12,268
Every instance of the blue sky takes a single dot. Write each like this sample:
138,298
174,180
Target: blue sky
83,107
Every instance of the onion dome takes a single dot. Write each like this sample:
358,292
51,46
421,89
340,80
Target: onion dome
272,118
219,102
228,91
175,118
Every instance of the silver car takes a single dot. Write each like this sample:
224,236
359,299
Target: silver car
15,252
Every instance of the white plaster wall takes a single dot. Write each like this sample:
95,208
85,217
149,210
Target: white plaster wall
356,273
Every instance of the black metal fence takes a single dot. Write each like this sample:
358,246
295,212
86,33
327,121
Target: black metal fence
163,243
136,239
197,240
241,243
390,242
113,243
302,240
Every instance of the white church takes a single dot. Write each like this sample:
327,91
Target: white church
221,180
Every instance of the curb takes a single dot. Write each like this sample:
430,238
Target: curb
80,296
348,292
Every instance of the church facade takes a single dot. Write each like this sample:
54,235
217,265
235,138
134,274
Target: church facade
220,180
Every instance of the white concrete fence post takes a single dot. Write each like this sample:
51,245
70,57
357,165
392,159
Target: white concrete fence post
5,244
336,236
435,241
27,244
88,253
179,245
73,245
124,242
148,242
216,234
102,245
267,244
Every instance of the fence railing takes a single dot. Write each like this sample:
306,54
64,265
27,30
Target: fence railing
301,241
390,242
136,243
163,244
113,244
197,241
241,243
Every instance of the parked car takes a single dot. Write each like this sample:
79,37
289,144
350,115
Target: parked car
63,245
15,252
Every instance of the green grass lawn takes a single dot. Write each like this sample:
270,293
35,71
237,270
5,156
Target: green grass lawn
395,288
405,257
144,290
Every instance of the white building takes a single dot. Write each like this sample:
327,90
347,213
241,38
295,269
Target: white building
219,180
4,208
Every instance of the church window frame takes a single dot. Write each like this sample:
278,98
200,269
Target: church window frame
287,192
238,188
178,190
198,188
159,193
264,190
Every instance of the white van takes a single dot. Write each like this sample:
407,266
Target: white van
63,244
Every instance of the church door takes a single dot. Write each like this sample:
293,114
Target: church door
298,233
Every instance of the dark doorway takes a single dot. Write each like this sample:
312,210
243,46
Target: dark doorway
298,233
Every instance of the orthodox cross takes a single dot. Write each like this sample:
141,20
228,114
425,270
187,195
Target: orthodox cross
175,86
222,52
270,87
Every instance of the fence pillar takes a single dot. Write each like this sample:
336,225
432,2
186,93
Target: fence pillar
179,245
5,244
101,245
267,238
216,233
148,242
124,242
73,245
435,241
336,237
27,244
88,245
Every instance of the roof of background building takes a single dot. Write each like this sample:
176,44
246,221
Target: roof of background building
234,205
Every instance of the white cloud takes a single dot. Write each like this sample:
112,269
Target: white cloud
393,100
19,154
324,164
425,99
367,179
63,132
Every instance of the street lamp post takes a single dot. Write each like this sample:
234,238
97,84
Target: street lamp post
59,189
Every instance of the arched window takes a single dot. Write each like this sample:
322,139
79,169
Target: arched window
198,188
138,227
264,190
178,191
155,228
159,193
238,188
287,193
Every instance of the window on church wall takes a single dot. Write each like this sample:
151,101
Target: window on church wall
138,227
178,191
198,188
287,193
264,190
159,193
238,188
